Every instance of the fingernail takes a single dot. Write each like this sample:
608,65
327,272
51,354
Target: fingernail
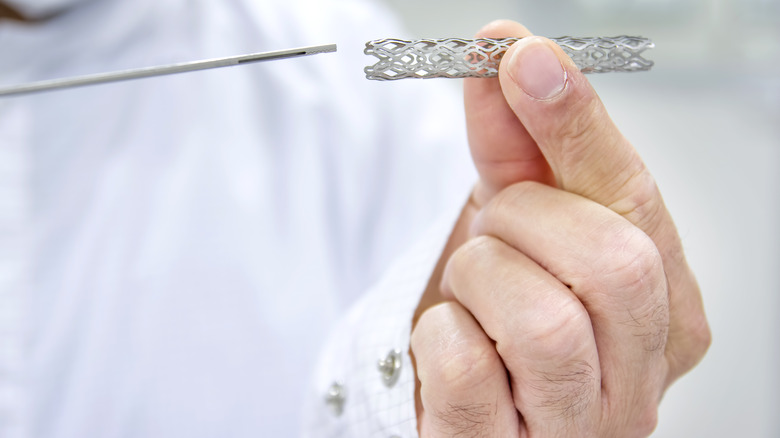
536,69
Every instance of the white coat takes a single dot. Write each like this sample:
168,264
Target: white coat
174,250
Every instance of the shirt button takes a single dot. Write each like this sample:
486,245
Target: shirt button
390,368
335,398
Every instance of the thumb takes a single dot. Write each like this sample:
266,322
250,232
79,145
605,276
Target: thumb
570,126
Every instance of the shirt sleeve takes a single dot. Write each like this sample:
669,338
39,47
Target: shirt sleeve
364,383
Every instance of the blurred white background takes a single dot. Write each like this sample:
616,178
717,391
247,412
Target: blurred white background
707,121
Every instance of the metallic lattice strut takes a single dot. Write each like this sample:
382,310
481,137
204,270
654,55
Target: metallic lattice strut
462,58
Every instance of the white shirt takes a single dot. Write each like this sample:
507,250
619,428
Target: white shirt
371,401
173,251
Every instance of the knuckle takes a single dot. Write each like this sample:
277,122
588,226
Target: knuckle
473,250
656,333
640,424
474,256
586,123
461,260
645,421
630,278
508,201
702,339
638,198
466,420
560,332
586,111
630,264
632,417
466,364
697,338
447,357
567,391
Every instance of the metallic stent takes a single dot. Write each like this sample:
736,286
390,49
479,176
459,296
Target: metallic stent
160,70
462,58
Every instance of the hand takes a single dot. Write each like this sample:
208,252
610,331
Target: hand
572,307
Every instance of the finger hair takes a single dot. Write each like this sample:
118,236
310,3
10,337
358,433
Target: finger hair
467,420
567,391
653,329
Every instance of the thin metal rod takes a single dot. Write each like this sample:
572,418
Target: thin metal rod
101,78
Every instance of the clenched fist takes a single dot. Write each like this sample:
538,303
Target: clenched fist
565,306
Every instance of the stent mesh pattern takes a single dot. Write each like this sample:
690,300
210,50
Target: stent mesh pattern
465,58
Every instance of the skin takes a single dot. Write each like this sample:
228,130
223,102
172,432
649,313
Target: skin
563,305
8,12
